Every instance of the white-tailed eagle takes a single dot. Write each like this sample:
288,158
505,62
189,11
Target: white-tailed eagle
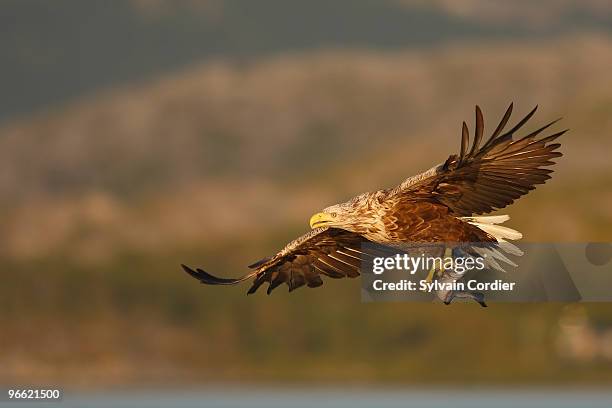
443,204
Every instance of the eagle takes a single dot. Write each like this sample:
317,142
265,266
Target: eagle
444,204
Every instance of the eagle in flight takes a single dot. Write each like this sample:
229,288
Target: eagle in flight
441,205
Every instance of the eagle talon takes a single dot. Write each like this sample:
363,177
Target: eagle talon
477,297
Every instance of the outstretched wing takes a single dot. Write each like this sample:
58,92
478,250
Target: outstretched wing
329,251
488,177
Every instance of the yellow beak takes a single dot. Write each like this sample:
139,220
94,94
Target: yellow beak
319,219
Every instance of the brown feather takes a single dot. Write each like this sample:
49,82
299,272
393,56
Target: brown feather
479,130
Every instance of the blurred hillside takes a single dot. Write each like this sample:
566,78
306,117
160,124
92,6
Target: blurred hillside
229,149
68,49
224,162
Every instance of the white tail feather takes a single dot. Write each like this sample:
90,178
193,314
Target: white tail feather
488,225
499,232
498,255
510,248
489,219
490,259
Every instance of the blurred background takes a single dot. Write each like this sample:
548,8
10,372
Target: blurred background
140,134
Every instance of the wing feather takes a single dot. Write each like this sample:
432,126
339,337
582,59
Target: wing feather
479,130
465,140
332,252
488,177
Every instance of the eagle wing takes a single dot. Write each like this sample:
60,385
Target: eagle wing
488,177
333,252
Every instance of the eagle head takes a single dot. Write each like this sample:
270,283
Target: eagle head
346,215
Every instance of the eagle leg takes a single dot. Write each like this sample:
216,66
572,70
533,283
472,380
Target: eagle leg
433,272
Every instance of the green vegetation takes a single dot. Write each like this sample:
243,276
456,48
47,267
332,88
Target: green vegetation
139,318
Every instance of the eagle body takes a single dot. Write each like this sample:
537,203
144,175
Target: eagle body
386,217
442,205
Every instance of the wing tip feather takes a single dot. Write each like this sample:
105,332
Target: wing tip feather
208,279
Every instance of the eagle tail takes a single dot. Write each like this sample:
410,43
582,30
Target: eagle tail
490,225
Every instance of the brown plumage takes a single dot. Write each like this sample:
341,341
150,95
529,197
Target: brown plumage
431,207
